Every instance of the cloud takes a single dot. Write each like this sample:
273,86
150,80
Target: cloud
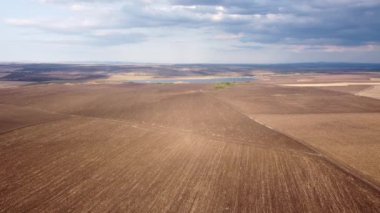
332,48
334,23
342,22
68,26
227,37
110,38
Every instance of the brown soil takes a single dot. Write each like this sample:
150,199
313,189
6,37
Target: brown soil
348,137
170,148
271,99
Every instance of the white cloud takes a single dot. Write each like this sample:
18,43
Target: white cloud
229,36
78,7
20,22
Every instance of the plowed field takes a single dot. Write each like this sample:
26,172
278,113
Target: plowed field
169,148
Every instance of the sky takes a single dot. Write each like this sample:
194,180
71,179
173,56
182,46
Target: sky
187,31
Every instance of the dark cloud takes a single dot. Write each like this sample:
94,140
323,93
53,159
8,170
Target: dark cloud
341,22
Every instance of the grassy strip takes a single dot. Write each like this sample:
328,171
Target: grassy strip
223,85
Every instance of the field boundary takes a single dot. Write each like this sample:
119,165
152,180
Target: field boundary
337,164
150,127
31,125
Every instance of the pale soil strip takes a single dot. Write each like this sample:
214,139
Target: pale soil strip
341,84
372,92
13,84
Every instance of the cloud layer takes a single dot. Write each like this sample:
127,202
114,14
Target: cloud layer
297,25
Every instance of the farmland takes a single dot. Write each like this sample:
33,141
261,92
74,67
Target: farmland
126,147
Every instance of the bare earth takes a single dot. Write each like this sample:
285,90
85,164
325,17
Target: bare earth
372,92
255,147
352,138
340,84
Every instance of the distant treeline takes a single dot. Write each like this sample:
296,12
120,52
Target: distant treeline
190,69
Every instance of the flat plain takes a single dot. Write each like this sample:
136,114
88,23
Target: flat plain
255,147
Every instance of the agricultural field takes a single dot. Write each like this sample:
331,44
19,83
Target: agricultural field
352,138
13,117
127,147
